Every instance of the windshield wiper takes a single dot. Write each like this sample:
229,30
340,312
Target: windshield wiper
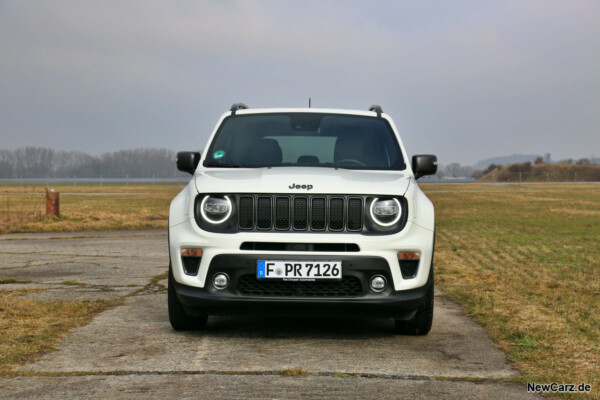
222,165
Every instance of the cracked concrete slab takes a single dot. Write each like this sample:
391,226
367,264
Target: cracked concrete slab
82,266
218,386
137,337
132,352
81,293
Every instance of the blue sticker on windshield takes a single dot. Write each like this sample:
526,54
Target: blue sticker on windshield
217,155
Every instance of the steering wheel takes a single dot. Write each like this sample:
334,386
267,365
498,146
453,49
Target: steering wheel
351,160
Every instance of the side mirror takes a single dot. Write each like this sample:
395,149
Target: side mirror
424,164
187,161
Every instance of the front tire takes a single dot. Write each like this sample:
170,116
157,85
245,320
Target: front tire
420,324
179,319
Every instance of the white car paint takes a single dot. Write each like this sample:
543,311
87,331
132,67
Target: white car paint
417,235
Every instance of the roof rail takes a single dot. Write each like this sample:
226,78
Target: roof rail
376,109
237,106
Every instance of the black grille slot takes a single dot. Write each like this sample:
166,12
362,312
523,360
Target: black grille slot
246,212
264,213
278,246
282,213
300,213
348,286
318,214
355,210
336,214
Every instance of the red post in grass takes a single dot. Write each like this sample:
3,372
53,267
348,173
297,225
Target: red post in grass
52,203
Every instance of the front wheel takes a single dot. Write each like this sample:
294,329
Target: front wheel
179,319
420,324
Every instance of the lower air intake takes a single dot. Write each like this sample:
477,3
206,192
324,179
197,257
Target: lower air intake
249,285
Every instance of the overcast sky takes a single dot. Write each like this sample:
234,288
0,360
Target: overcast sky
463,80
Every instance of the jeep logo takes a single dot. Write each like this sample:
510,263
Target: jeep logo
295,186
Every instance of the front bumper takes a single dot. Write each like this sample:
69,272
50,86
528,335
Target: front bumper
248,295
412,238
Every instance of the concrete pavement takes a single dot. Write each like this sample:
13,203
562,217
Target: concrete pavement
132,352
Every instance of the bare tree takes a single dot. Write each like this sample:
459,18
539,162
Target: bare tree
41,162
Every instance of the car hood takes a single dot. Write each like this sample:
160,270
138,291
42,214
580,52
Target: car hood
310,181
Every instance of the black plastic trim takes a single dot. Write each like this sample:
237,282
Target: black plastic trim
376,108
409,268
287,246
229,302
191,265
237,106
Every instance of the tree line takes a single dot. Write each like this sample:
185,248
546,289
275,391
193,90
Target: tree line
42,162
455,170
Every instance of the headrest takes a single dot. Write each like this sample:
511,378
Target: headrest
265,152
308,160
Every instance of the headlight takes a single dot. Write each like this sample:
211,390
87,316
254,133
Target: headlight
386,212
215,209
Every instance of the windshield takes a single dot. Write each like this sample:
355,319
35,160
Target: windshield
305,139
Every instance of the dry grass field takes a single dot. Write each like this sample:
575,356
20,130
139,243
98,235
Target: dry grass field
87,207
523,260
30,328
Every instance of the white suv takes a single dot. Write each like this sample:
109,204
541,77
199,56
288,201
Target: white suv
302,212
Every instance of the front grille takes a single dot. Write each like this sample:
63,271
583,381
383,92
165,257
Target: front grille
348,286
300,212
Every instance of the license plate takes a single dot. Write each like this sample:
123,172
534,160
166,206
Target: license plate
298,270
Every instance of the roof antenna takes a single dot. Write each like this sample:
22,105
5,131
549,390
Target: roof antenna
309,102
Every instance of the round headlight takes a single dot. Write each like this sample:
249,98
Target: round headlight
386,212
215,209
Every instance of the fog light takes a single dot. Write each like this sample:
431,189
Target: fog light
220,281
378,283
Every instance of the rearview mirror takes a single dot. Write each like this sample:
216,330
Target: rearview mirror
424,164
187,161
